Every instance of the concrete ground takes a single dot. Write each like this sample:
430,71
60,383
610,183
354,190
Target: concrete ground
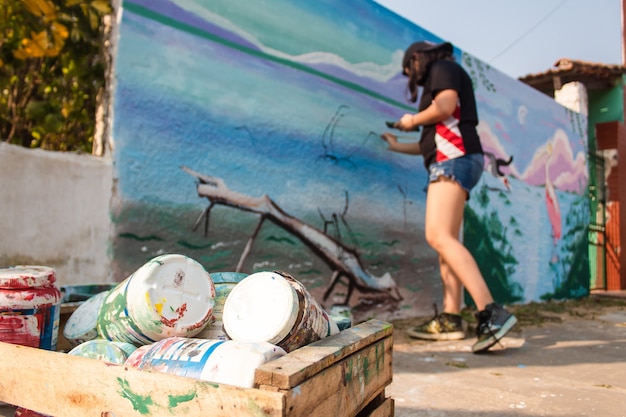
563,360
570,363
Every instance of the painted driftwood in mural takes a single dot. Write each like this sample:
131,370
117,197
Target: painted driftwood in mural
344,375
342,260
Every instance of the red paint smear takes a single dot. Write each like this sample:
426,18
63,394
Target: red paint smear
13,329
35,297
172,322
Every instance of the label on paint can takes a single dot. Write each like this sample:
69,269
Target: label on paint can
220,361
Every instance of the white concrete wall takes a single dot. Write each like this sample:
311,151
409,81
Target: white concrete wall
54,211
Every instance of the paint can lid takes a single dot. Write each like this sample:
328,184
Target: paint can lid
171,295
263,307
81,326
27,276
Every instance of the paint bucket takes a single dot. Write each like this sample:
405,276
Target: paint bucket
30,306
273,307
104,350
81,326
171,295
224,283
219,361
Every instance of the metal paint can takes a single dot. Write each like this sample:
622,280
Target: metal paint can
30,306
219,361
274,307
171,295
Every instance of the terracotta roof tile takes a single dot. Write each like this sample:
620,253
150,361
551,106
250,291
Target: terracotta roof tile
595,76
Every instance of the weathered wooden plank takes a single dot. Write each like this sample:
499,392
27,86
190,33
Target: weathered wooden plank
292,369
338,376
62,385
345,388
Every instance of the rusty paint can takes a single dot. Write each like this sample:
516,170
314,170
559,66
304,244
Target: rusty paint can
170,295
30,306
274,307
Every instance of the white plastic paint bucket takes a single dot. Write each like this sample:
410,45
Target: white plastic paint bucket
224,283
273,307
30,306
171,295
220,361
81,326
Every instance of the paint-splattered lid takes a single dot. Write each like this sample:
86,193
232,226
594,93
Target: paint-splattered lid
27,276
263,307
81,326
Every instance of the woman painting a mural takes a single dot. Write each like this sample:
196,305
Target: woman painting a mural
453,157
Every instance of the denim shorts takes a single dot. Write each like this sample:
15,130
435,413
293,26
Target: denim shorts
465,170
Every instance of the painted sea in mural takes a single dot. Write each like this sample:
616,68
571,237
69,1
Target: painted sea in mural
289,102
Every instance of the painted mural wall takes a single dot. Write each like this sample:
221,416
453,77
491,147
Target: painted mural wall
248,139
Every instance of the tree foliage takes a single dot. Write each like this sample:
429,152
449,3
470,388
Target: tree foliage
53,59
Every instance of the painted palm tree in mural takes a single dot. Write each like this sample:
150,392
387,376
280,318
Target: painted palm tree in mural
343,261
552,202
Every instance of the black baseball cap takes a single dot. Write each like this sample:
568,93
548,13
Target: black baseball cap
423,46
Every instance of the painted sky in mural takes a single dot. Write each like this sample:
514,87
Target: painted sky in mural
289,102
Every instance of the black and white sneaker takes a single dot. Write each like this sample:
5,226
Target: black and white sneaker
493,323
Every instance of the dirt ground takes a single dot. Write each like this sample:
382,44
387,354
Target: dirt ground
562,359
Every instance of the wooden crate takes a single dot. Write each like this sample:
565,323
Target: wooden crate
343,375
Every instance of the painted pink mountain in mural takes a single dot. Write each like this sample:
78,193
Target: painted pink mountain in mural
566,172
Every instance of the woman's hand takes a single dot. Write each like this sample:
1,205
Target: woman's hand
390,138
412,148
406,123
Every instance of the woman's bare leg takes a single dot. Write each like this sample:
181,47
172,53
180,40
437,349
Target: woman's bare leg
452,289
445,202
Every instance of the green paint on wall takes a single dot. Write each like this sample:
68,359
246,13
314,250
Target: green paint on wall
140,403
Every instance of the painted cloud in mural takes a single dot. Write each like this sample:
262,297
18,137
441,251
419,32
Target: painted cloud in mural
566,172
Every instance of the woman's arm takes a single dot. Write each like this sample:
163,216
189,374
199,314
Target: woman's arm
441,108
412,148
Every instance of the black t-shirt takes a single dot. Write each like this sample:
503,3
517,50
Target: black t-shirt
457,135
